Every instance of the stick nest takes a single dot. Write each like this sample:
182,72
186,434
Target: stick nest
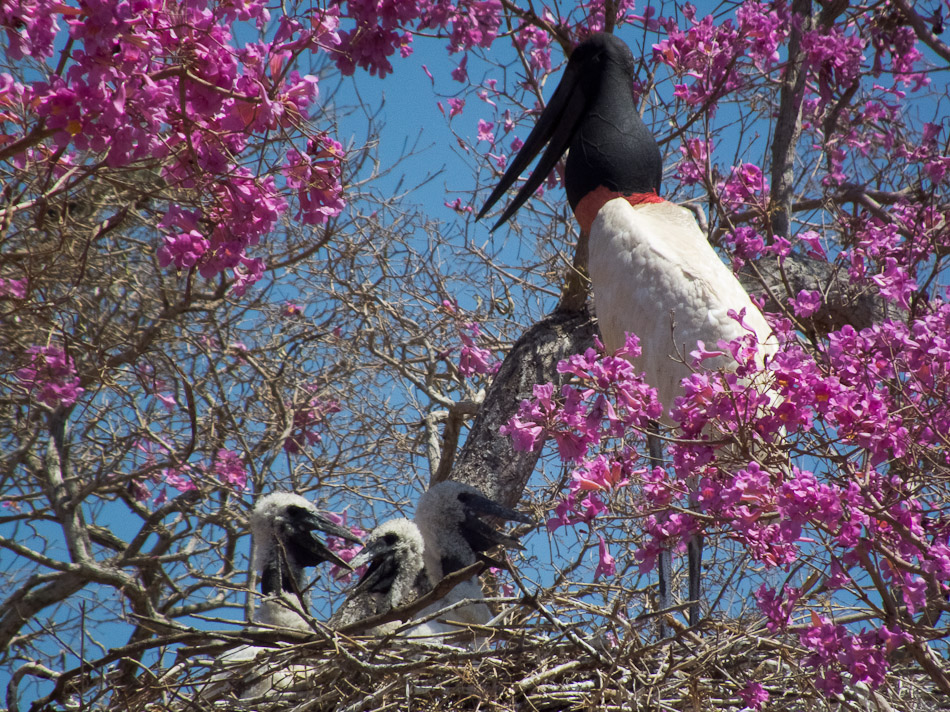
533,659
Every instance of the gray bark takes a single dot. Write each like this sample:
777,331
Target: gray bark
788,124
488,461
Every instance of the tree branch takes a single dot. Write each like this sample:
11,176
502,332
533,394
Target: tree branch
920,29
488,461
788,125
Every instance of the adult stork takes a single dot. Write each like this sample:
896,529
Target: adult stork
652,270
285,530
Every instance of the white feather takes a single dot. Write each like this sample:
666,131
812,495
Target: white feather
440,515
654,274
255,671
407,552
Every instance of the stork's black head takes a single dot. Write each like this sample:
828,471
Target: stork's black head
392,548
453,509
285,527
594,114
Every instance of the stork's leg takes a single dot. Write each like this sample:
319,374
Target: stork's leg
694,551
655,449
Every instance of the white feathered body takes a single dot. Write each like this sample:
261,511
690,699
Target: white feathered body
654,274
400,577
441,539
448,518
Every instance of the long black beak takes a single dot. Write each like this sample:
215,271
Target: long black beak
375,550
383,566
558,123
480,535
309,548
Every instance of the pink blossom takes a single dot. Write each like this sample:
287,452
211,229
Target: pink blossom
184,249
316,178
537,43
455,107
460,73
705,53
525,435
485,132
834,57
229,468
473,358
475,23
744,187
807,303
168,401
763,28
309,418
747,244
599,474
13,288
605,563
813,240
895,283
777,607
179,478
458,207
50,377
754,695
693,166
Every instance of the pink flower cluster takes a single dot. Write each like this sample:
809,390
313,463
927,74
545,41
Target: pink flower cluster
227,467
694,165
890,252
854,394
754,695
148,82
536,44
473,359
745,187
315,175
747,244
605,400
50,377
607,389
13,288
711,54
381,27
589,16
835,56
307,421
835,650
180,478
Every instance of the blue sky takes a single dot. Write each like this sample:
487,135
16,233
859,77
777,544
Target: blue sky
412,119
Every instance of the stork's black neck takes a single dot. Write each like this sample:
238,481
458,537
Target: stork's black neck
451,563
276,578
612,147
283,570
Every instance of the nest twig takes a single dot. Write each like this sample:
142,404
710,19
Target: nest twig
542,653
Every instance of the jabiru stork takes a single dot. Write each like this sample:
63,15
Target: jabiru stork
652,270
285,539
449,515
394,577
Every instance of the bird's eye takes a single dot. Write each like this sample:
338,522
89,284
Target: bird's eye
391,539
295,511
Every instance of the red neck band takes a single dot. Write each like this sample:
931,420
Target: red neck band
591,203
